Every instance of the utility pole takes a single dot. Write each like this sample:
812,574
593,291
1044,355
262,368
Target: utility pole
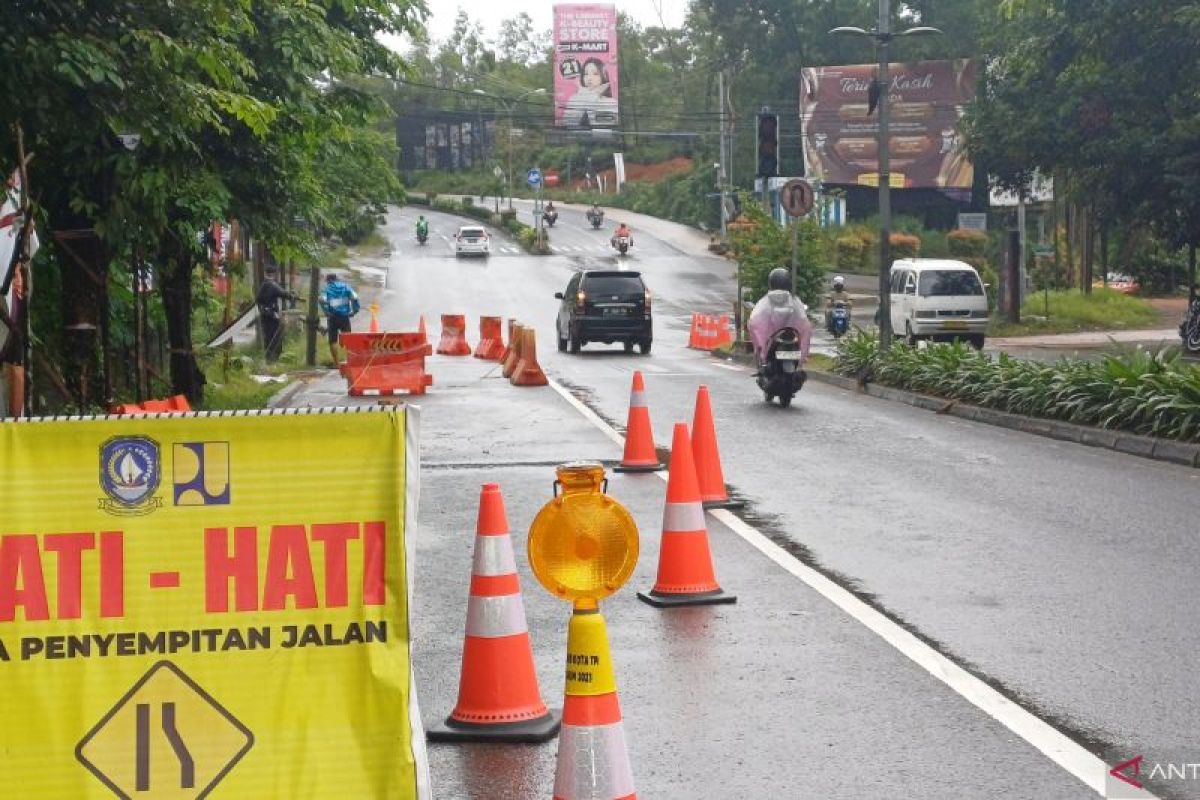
310,343
722,170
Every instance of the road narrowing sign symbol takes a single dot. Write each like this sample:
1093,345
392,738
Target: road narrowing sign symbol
166,738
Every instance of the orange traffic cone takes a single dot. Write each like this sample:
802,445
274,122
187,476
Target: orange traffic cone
516,340
498,695
640,455
374,309
528,371
593,760
454,336
708,457
685,570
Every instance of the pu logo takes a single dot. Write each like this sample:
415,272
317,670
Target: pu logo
201,473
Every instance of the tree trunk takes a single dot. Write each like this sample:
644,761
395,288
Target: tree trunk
176,284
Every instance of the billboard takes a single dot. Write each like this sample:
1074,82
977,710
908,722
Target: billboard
926,101
195,604
585,66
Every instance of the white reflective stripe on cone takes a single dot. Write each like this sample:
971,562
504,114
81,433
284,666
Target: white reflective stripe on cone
494,556
593,763
637,400
493,617
683,517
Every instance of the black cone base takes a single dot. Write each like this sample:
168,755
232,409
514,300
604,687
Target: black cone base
531,730
638,468
728,503
673,600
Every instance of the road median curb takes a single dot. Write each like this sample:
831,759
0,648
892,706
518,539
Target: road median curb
1151,447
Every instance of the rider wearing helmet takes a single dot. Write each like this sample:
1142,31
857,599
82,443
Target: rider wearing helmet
778,309
422,226
838,295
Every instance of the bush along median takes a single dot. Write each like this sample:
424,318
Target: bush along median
525,235
1155,394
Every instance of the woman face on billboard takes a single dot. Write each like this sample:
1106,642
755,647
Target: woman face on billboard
594,78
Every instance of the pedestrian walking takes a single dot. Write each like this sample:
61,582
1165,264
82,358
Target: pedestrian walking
339,301
270,299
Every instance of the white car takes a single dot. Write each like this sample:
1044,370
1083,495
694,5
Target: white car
938,299
472,240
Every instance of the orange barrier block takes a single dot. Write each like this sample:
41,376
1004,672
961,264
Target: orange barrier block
421,329
528,371
454,336
491,345
721,335
512,324
695,338
498,694
640,454
172,405
385,363
709,475
516,340
685,569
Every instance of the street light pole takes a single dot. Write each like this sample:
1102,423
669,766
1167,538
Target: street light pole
882,36
508,109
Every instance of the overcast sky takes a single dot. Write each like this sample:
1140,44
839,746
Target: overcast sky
490,13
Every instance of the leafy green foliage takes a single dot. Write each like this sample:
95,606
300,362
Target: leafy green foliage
762,245
1157,394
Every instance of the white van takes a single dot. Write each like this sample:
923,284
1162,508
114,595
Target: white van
935,298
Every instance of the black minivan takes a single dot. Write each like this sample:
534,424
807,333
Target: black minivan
604,306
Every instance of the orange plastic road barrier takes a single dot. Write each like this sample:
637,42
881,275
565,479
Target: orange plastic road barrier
708,456
528,371
454,336
491,345
593,759
172,405
498,695
640,455
512,324
685,569
516,341
721,335
421,329
380,364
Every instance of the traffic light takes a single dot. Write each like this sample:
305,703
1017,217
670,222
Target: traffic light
768,146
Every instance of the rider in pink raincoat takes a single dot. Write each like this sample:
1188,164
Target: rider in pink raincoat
778,309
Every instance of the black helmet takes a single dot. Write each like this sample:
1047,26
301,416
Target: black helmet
779,278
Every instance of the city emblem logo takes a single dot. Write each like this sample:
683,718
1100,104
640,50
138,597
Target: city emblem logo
130,472
200,473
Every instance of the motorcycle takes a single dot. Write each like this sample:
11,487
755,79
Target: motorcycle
622,243
596,218
1189,329
422,235
781,375
839,320
550,217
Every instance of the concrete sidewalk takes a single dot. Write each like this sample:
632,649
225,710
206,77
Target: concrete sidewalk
1088,339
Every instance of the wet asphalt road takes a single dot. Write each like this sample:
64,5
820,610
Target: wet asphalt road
1063,574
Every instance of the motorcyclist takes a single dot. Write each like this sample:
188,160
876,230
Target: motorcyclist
550,210
837,295
595,212
422,226
778,309
622,230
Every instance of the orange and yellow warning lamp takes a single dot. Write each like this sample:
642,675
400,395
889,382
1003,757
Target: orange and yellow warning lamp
583,546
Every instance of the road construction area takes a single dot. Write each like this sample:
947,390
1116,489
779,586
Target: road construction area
924,606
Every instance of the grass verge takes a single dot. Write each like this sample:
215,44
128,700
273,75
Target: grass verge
1071,311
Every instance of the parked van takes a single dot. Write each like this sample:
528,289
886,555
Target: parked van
935,298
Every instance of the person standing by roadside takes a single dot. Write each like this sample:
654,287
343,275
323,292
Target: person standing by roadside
339,301
270,299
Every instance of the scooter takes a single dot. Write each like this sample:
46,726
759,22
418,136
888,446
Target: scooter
422,236
550,217
622,243
1189,329
839,320
781,375
596,218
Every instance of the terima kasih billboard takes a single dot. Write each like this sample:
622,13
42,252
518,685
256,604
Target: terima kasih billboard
585,66
926,99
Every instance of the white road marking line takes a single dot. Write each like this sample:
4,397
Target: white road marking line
1052,743
732,367
652,368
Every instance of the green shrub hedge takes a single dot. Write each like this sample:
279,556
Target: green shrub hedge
1148,393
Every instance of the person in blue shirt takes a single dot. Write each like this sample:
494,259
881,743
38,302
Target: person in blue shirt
339,302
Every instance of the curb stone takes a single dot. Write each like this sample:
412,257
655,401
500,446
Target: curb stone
1151,447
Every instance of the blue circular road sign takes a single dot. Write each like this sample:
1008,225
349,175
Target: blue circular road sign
534,177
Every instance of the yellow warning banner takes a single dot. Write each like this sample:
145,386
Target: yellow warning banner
202,601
